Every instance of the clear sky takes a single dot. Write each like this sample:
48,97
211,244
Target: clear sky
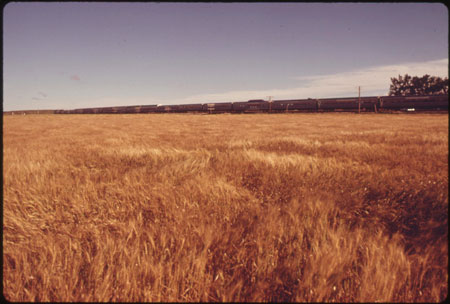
72,55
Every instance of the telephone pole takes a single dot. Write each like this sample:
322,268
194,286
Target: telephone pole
359,99
270,104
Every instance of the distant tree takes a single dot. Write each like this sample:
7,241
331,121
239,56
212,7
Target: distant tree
425,85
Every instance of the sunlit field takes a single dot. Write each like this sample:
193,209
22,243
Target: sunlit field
172,207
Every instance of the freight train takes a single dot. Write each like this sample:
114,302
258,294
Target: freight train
352,104
26,112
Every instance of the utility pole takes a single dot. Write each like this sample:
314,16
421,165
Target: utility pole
359,99
270,104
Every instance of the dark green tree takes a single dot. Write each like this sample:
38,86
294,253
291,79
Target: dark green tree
425,85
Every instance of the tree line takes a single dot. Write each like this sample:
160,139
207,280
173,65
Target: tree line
425,85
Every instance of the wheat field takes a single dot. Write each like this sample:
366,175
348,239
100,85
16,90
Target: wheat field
178,207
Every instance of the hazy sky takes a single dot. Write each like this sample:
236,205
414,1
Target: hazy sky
72,55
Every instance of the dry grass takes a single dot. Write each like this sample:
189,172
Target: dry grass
304,207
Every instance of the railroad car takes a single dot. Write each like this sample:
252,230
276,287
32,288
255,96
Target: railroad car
239,106
173,109
184,108
395,103
162,109
148,109
294,105
221,107
251,106
332,104
255,106
128,109
281,105
370,104
105,110
301,105
438,102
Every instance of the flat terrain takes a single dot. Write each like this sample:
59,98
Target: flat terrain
285,207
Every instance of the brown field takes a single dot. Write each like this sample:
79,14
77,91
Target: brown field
285,207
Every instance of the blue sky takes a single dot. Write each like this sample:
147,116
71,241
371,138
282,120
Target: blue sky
72,55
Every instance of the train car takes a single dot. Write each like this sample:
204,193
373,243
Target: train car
302,105
251,106
332,104
365,104
208,107
438,102
148,109
121,110
169,109
175,109
239,106
257,106
159,109
107,110
136,109
370,104
214,108
128,109
45,111
102,110
124,110
184,108
294,105
281,105
394,103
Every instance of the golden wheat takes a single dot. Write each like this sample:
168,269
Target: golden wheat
285,207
